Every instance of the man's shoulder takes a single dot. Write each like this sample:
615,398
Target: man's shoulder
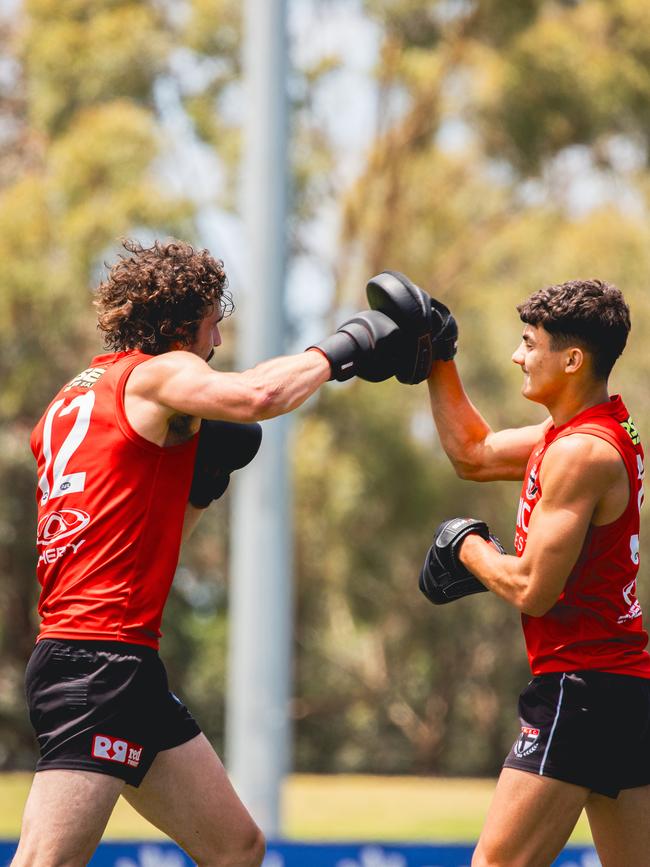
582,446
584,455
156,368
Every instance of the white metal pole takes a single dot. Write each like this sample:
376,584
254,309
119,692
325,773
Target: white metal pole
257,725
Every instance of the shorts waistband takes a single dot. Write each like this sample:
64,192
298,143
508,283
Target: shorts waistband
97,646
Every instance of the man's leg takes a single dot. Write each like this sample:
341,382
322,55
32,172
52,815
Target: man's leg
187,794
621,827
529,821
64,818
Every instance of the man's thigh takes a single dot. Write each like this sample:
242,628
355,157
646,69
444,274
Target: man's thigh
187,794
621,827
64,817
529,821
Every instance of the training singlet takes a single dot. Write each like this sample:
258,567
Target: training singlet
111,506
596,623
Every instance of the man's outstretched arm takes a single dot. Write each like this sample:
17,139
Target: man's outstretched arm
185,384
475,450
367,345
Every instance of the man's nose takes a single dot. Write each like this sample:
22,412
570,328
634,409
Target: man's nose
518,355
216,336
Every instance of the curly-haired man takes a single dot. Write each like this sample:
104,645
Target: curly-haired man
119,453
585,716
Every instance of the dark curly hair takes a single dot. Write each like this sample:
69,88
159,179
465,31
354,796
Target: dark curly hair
591,313
156,297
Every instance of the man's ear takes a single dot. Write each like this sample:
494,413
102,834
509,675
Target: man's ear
575,359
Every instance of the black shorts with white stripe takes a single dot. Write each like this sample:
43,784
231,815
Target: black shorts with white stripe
590,728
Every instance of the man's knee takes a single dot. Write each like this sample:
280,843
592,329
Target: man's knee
254,850
257,849
479,859
493,855
47,856
247,851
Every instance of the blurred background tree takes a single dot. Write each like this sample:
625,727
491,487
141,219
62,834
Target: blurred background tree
510,151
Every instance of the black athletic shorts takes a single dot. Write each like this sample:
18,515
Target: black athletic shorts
103,706
589,728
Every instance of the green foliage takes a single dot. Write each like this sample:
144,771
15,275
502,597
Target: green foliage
214,29
79,54
576,75
384,680
417,22
211,36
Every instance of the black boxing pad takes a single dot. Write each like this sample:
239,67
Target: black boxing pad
409,307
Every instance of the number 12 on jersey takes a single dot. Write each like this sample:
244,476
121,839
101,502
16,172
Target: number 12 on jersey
61,482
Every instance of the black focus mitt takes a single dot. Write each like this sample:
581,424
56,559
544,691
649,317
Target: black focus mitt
429,331
224,446
443,577
367,346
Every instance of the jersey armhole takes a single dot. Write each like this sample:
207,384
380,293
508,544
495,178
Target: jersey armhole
125,426
120,410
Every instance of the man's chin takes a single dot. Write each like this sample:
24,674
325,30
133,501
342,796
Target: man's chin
529,394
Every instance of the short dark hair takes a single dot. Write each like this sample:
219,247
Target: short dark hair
591,313
157,296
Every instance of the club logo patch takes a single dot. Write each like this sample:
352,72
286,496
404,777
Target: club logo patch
116,750
527,742
532,488
58,525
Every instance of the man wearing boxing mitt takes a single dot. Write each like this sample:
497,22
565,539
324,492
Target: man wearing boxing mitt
128,453
585,715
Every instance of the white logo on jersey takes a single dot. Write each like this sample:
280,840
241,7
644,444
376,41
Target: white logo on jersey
51,555
634,606
523,514
86,379
57,525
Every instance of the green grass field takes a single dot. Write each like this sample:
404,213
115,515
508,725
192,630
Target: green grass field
332,808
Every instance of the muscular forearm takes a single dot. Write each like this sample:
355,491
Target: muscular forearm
462,429
475,450
285,383
507,576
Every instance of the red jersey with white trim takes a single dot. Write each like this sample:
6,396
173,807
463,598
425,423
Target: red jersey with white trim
111,507
596,623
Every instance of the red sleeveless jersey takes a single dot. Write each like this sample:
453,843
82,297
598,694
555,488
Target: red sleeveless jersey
596,623
111,506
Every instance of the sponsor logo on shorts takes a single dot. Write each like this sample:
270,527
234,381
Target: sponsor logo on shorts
59,524
116,750
527,742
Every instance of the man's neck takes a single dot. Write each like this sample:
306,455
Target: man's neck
573,402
